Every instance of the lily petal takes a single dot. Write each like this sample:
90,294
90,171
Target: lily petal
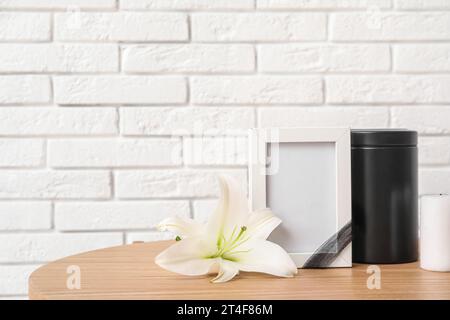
187,257
266,257
232,210
228,270
261,223
183,227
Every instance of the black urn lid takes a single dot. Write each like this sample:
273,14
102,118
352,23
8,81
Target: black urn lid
383,137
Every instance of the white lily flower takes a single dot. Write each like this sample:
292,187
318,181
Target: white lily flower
233,240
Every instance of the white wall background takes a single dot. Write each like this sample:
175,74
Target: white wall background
102,103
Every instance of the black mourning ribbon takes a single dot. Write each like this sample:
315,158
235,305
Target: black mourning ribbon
330,249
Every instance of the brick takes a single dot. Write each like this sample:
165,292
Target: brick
322,4
25,26
323,58
47,184
20,216
186,4
256,90
390,26
145,184
119,90
422,58
113,152
132,237
194,58
14,279
41,247
434,150
21,152
186,121
59,58
58,4
388,89
24,89
215,151
425,119
434,181
355,117
203,209
19,297
58,121
258,26
422,4
116,215
121,26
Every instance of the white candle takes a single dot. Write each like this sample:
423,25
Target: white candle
435,233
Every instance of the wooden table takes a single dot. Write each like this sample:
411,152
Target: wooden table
128,272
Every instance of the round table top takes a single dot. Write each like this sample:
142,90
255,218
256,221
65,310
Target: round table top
129,272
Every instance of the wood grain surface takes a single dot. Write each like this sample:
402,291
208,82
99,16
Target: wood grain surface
129,272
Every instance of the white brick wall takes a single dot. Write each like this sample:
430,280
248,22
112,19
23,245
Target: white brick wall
88,90
57,4
39,247
217,90
25,26
59,58
252,27
117,113
190,58
113,152
121,26
30,215
298,58
390,26
167,183
132,215
24,89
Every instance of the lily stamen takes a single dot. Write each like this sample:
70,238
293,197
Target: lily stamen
226,246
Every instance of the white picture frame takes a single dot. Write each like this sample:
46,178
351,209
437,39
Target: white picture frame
309,186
